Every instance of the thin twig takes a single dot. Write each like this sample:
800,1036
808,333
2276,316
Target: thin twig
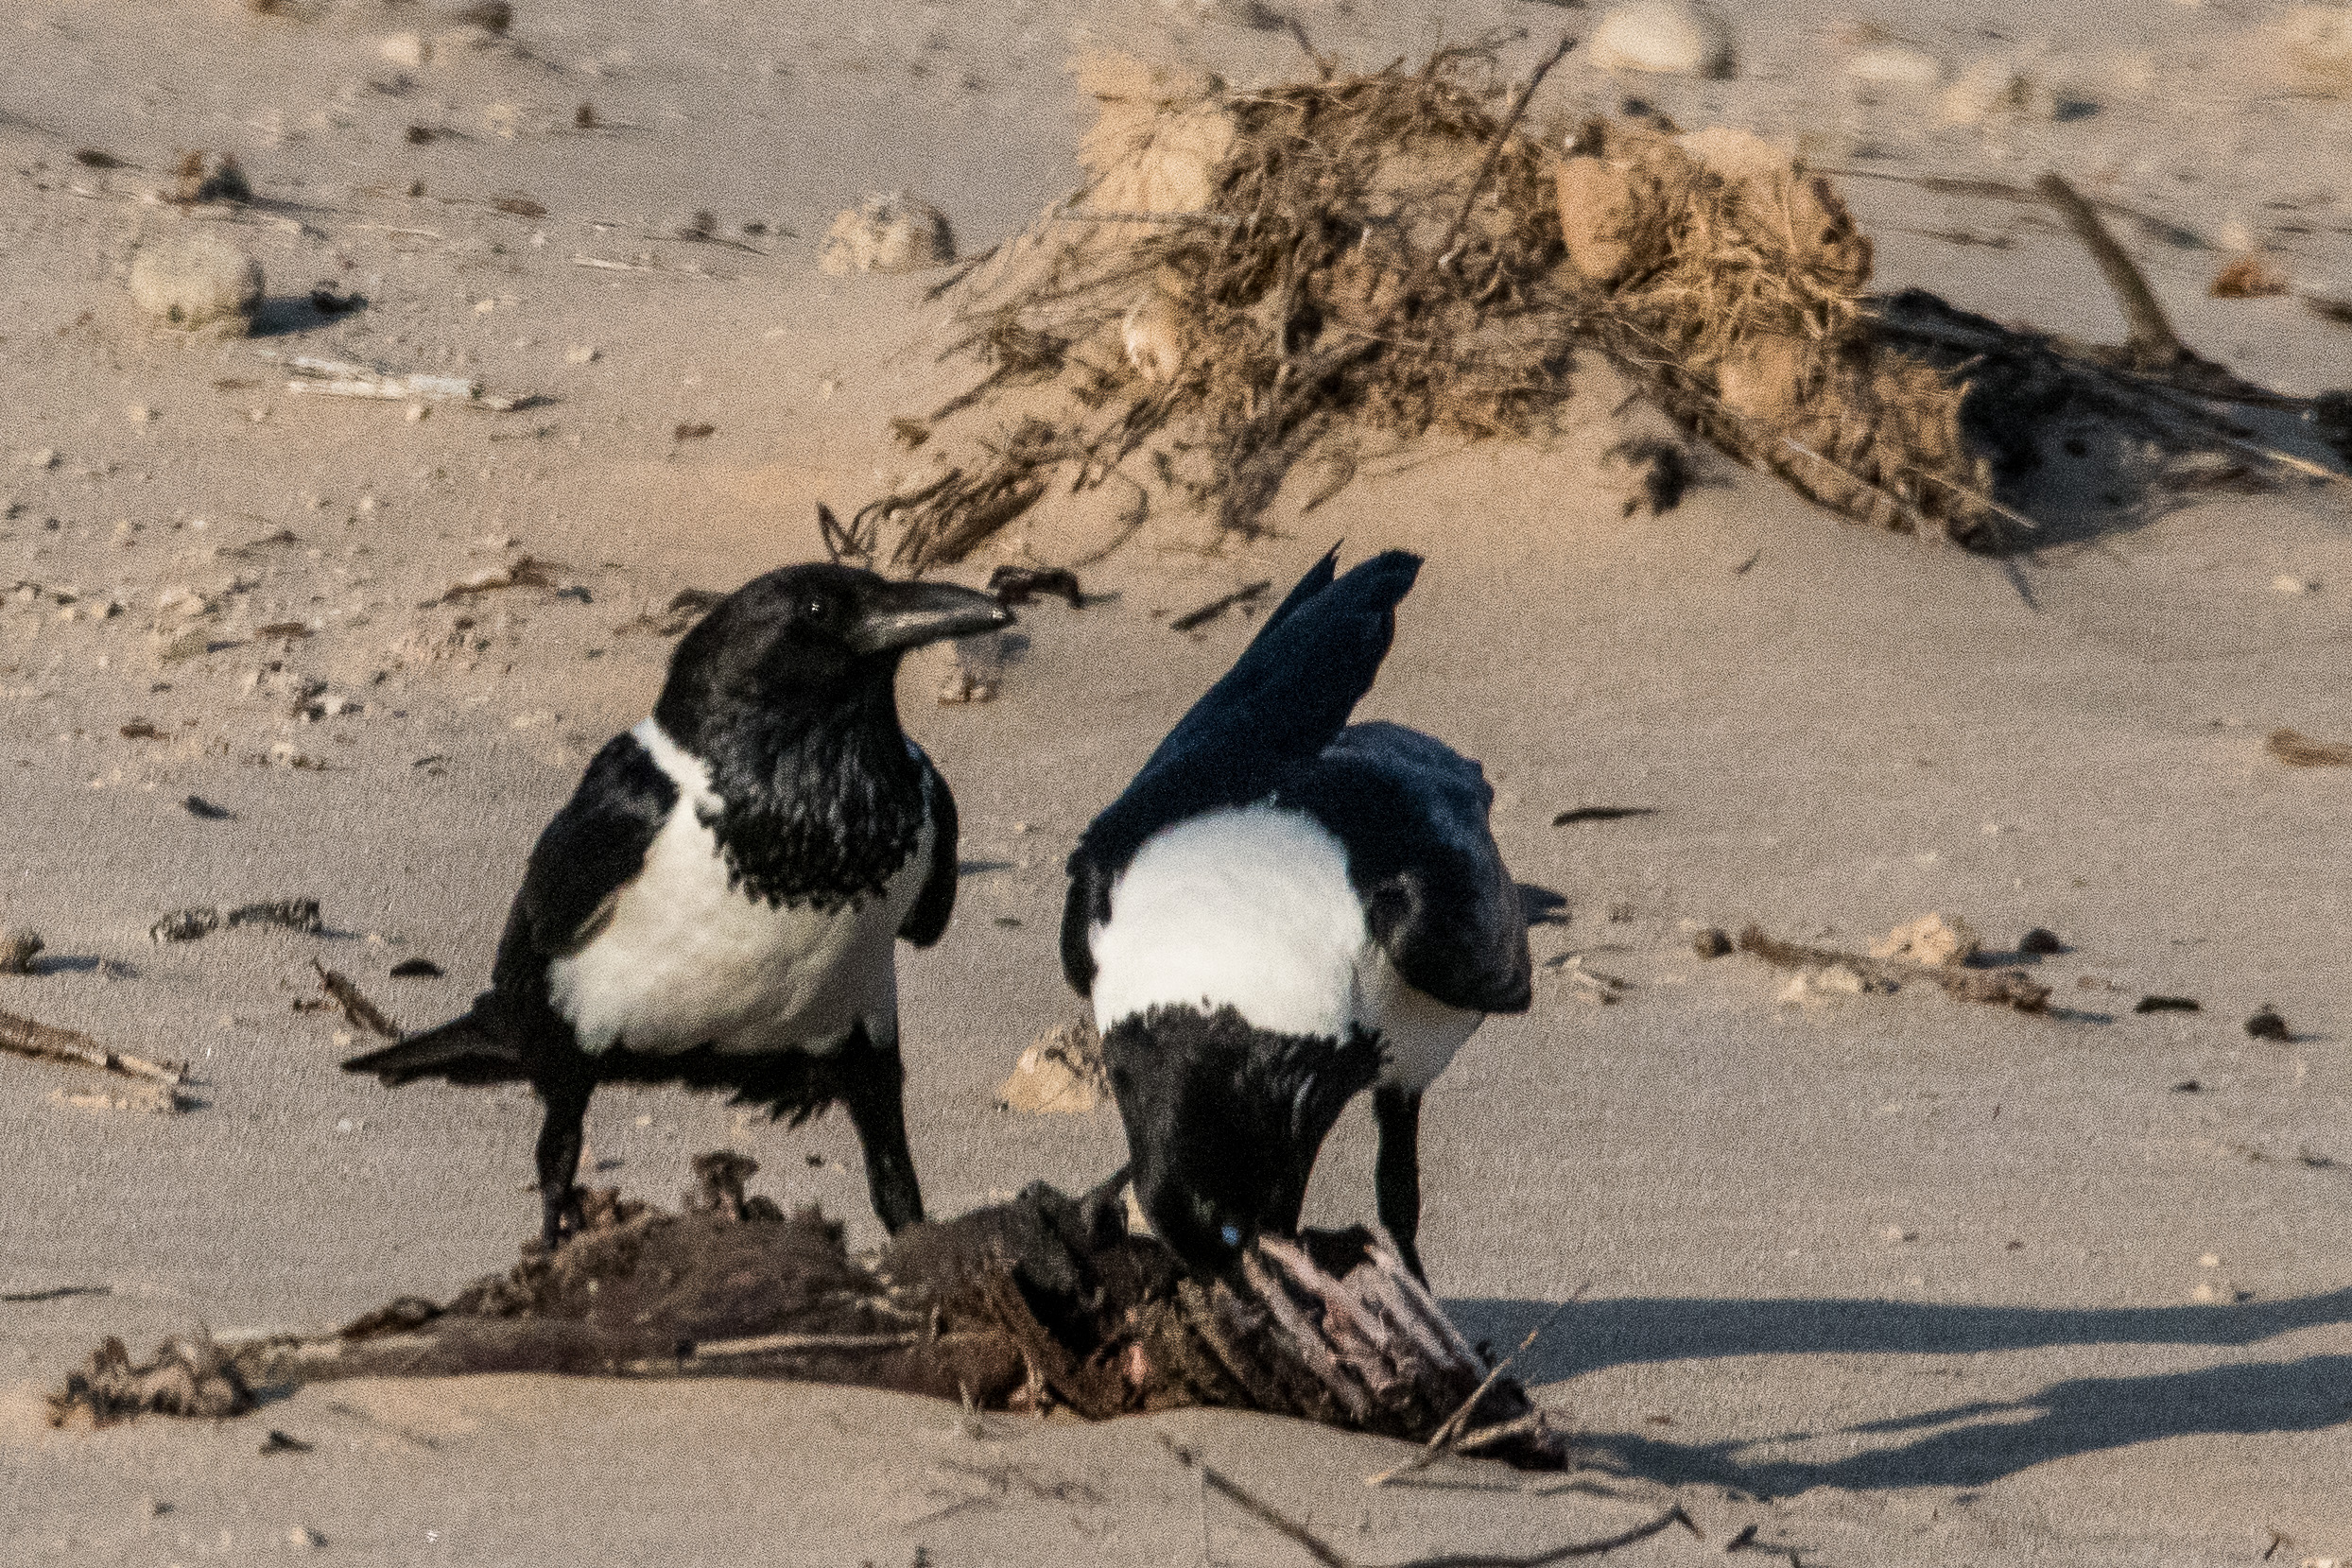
1558,1554
1216,607
2149,336
363,1013
1264,1513
1495,148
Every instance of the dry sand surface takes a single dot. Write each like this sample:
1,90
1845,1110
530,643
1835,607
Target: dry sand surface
1891,1279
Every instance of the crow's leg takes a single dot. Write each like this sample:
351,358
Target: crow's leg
560,1139
1396,1171
871,1084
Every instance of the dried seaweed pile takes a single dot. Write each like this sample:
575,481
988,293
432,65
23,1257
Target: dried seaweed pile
1255,273
1255,278
1045,1300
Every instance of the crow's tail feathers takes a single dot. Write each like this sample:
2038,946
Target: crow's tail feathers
472,1049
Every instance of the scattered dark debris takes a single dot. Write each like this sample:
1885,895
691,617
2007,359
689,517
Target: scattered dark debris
433,767
522,571
1660,471
492,16
1541,906
98,157
363,1013
1713,942
1008,922
1019,585
420,135
2266,1023
1620,911
140,729
327,302
2187,1086
578,593
197,179
586,118
291,631
1247,595
416,969
687,606
2168,1003
283,1443
188,1377
519,205
199,807
909,433
701,224
2041,942
2300,750
56,1293
1601,813
187,925
695,430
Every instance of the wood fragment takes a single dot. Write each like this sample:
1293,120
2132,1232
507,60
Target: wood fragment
1256,1507
2297,749
2006,987
24,1037
1448,1437
363,1013
1216,607
1601,813
2149,335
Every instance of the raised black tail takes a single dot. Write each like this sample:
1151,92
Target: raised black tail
472,1049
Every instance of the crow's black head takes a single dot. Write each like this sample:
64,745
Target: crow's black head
808,639
1225,1121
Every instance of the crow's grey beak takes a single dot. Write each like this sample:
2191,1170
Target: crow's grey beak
908,615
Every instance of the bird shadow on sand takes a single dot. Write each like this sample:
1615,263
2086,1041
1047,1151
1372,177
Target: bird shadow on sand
1966,1444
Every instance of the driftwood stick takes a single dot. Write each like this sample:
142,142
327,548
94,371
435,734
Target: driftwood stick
45,1043
363,1013
2150,335
2001,988
1445,257
1216,607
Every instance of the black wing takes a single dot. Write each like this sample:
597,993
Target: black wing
928,919
1282,702
1412,813
595,847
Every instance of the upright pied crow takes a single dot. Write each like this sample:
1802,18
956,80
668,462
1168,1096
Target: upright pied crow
1283,910
717,904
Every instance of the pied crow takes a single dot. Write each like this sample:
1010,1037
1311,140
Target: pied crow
1281,910
717,905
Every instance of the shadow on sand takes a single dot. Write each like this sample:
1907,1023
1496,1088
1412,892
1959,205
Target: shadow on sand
1960,1445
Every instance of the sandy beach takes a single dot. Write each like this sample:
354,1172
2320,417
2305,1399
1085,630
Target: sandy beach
1881,1278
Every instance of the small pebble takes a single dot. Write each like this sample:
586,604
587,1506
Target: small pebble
404,50
1895,67
1668,38
17,951
893,232
1711,943
306,1538
2267,1025
2041,942
1895,1233
139,413
2211,1260
583,355
2287,582
196,280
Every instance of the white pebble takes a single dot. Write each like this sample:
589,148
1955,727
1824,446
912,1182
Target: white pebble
1895,67
1668,38
584,354
194,280
2211,1260
138,413
40,456
404,50
2288,582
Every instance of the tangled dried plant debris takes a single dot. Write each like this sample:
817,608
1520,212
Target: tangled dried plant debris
2005,987
1252,277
